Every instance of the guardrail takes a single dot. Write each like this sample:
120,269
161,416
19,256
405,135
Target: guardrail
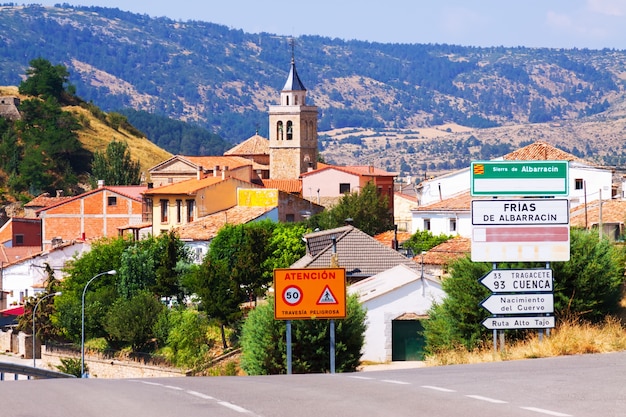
29,371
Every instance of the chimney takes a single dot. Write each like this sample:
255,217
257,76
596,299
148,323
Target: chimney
215,169
224,171
150,185
199,172
349,221
100,183
59,193
371,169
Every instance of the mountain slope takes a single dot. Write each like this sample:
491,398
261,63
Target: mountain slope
225,80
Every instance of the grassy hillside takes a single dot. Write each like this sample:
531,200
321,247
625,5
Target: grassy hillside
96,134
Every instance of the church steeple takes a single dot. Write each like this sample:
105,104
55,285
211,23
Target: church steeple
293,129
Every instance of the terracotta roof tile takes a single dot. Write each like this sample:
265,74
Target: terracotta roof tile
360,170
288,186
458,202
386,237
447,251
539,151
613,211
206,228
209,162
184,187
44,200
256,145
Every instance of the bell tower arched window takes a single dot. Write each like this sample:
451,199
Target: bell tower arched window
279,130
289,130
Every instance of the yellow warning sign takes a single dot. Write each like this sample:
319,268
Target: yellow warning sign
311,293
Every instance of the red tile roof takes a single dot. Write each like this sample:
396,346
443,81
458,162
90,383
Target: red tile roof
613,211
184,187
360,170
458,202
132,192
386,237
288,186
44,200
206,228
448,251
539,151
209,162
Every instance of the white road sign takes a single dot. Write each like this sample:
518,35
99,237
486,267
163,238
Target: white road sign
518,280
523,211
520,322
519,303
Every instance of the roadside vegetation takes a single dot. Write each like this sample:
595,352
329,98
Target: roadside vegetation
589,302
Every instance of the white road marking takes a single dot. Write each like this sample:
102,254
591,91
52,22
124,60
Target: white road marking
393,381
200,395
233,406
438,388
547,412
173,387
361,377
489,400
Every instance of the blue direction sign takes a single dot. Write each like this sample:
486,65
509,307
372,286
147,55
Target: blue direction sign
518,280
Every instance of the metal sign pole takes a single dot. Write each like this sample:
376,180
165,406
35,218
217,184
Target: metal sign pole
288,347
332,346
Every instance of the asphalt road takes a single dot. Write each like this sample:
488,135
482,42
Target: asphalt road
586,385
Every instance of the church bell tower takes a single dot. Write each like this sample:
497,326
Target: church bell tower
292,131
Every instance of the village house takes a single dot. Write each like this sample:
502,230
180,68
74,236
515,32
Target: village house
98,213
444,203
180,203
396,301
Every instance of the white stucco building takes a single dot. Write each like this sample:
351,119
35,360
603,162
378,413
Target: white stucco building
396,301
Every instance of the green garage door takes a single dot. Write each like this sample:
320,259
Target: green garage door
407,342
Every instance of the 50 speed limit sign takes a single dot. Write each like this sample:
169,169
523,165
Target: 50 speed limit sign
292,295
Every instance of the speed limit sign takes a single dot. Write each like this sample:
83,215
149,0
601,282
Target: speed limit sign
292,295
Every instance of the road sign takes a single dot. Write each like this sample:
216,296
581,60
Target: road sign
523,178
519,303
518,280
519,322
311,293
547,243
538,211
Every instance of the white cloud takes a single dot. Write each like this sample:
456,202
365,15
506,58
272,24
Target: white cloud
607,7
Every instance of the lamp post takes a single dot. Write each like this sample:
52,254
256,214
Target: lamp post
34,314
82,331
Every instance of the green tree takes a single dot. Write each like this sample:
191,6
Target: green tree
44,80
105,255
131,321
264,350
187,341
285,246
50,154
368,210
424,240
115,165
219,293
587,287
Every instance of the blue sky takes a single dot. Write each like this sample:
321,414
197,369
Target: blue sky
593,24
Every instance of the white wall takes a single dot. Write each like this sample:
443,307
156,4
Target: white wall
22,277
327,182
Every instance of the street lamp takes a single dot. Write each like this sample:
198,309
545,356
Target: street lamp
82,331
34,314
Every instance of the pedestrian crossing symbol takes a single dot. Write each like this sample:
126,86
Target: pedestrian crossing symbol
327,297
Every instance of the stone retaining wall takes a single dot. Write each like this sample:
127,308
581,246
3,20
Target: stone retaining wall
102,367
